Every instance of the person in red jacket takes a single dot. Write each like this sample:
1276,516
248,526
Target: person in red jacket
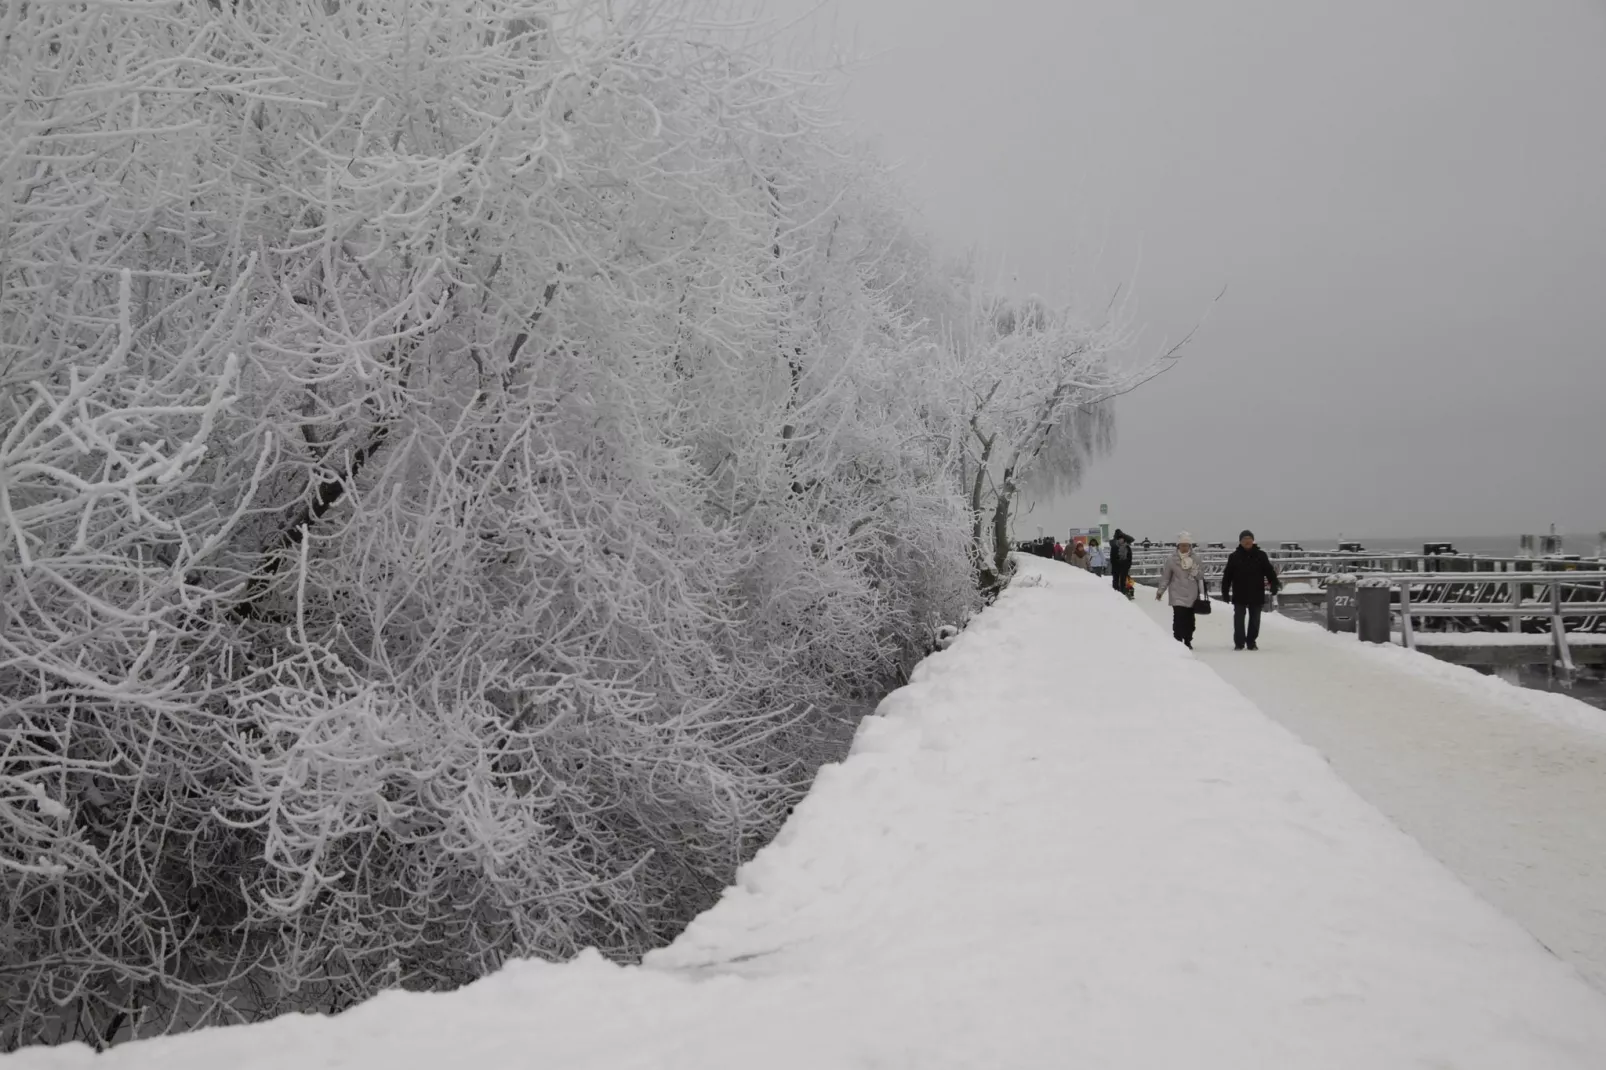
1244,582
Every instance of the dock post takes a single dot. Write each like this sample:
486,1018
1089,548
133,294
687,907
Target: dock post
1372,606
1558,632
1340,605
1516,601
1407,633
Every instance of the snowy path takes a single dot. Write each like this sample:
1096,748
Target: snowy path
1507,787
1065,844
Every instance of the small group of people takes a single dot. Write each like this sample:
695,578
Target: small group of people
1246,581
1114,560
1089,556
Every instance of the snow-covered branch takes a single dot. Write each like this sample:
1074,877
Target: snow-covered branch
462,462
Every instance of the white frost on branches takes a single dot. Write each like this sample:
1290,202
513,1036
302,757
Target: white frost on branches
1035,385
462,462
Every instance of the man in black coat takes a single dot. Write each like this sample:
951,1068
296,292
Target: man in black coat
1245,581
1120,559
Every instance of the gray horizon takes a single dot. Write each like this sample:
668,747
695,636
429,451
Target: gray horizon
1406,205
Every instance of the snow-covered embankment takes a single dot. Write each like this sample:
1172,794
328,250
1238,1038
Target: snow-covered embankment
1065,843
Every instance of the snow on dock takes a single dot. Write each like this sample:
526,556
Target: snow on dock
1066,843
1518,639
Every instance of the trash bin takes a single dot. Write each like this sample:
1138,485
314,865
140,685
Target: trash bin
1341,604
1372,602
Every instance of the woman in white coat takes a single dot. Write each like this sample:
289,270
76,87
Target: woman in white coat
1182,576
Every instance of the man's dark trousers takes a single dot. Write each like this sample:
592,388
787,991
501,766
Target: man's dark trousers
1240,635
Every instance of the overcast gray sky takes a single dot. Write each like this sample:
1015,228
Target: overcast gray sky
1406,200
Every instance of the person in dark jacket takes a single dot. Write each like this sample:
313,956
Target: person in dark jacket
1244,582
1120,559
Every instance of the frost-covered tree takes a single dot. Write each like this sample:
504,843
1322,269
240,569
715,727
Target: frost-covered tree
462,465
1034,386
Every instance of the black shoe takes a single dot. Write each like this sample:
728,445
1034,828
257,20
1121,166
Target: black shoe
1252,646
1188,643
1238,646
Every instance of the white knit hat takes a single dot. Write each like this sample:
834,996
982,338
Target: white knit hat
1184,537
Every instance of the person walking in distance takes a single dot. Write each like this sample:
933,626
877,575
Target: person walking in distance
1097,558
1183,576
1120,559
1246,579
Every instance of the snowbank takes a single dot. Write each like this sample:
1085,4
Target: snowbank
1066,843
1520,701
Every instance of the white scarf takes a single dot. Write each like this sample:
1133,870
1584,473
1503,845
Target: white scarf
1186,560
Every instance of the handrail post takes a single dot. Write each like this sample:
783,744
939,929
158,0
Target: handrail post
1516,602
1407,633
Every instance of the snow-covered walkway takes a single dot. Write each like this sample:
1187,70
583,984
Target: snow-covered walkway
1066,844
1505,786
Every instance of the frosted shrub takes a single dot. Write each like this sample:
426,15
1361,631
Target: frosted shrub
462,462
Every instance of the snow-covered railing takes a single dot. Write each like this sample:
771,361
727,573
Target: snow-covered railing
1554,607
1411,563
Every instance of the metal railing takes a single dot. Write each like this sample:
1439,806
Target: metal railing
1460,592
1579,596
1148,562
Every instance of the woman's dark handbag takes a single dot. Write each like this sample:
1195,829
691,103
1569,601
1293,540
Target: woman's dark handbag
1201,605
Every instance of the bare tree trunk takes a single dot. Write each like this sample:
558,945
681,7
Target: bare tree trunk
978,548
1001,537
1001,508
